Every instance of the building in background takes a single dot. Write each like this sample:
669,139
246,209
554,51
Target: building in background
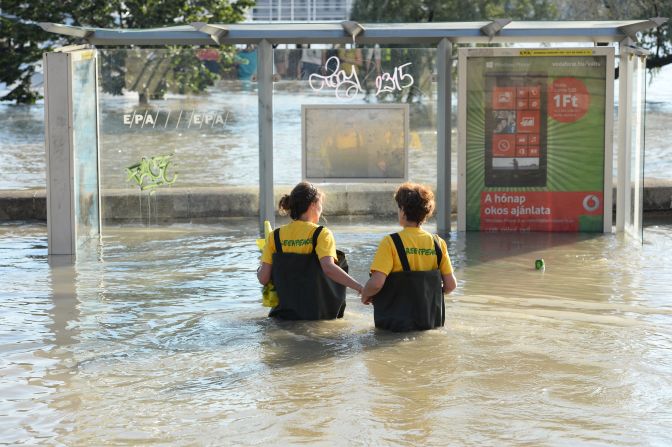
300,10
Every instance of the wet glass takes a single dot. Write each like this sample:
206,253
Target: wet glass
85,134
205,155
207,135
356,77
635,182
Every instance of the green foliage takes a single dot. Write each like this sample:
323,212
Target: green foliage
152,72
22,41
658,41
390,11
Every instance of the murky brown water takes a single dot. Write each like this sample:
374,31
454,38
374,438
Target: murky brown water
159,338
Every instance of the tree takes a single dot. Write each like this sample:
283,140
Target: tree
390,11
417,11
658,41
23,41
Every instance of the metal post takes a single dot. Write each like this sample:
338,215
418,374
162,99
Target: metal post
98,163
60,163
608,208
443,132
64,147
623,195
265,97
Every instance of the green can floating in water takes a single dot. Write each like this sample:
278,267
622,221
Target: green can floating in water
539,264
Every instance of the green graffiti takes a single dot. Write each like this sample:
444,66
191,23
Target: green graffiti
151,173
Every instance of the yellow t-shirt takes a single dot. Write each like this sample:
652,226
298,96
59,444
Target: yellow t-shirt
419,246
297,237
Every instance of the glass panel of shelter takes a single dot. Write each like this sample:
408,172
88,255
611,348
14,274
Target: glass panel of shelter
637,76
363,93
175,118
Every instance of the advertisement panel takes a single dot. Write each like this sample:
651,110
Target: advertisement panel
533,147
345,143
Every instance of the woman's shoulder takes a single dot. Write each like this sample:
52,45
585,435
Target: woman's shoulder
433,236
299,228
386,240
438,238
300,224
309,228
324,229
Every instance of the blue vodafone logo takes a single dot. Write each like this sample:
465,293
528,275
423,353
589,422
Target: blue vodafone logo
591,202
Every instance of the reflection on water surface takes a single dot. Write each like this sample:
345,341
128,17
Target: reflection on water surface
159,337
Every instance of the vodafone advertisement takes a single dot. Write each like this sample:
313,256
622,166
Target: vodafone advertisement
539,211
534,149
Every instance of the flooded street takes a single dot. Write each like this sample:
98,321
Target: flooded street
158,337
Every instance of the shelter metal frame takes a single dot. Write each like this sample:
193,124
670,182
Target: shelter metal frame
443,35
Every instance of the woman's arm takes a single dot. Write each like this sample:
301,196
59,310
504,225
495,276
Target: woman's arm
449,283
373,286
337,274
264,273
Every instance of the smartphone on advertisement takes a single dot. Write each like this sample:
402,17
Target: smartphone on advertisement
515,129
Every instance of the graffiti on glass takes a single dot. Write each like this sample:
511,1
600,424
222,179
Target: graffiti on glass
151,172
347,85
398,80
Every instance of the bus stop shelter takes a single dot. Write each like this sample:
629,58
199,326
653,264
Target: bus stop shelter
68,224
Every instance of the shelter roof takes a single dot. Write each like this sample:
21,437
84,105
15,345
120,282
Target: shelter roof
497,31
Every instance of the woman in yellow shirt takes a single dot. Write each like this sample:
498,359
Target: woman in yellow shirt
309,274
411,269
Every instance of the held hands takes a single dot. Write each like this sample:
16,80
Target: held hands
373,286
365,299
359,289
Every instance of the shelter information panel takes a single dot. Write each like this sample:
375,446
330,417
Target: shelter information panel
355,142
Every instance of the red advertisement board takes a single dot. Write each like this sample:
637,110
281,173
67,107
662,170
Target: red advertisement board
539,211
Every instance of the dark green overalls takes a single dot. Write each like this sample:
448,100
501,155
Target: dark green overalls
410,300
304,291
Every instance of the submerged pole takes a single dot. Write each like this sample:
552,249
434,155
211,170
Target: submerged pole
265,98
443,133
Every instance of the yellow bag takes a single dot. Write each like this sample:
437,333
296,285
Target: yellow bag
269,296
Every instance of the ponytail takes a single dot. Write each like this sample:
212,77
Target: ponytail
299,200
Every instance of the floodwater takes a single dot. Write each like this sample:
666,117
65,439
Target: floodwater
157,336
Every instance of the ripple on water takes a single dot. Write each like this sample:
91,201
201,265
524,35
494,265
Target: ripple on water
162,332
